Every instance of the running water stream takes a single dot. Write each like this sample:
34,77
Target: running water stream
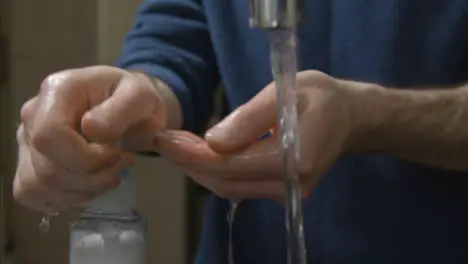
283,52
231,216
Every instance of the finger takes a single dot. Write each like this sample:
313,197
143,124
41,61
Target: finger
59,201
97,183
38,172
133,102
35,181
55,132
263,157
255,163
184,148
240,190
178,136
21,137
49,199
33,191
220,173
261,161
28,112
104,180
24,170
63,147
32,195
69,94
48,176
246,124
141,137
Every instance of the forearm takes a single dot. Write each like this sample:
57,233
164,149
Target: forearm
426,126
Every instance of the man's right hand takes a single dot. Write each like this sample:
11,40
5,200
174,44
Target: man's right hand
78,133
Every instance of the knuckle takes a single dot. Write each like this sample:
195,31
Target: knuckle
132,83
24,113
135,81
145,87
140,80
56,81
27,110
312,77
41,136
20,133
313,74
142,89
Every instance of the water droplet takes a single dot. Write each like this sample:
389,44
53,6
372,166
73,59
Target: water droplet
44,224
230,218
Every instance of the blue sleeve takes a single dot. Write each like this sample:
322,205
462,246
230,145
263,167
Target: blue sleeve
170,41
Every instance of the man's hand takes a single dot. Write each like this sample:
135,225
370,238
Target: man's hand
427,126
69,133
235,164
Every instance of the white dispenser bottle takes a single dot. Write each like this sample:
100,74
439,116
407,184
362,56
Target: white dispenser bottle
110,230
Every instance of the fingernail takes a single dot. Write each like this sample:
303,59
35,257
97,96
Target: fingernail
222,131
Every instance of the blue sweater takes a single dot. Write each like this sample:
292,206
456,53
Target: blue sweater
368,209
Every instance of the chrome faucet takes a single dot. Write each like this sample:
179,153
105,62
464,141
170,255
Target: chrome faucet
276,14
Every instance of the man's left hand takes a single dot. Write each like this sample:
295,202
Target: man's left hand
232,161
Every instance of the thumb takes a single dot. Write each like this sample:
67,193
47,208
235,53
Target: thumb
245,125
134,104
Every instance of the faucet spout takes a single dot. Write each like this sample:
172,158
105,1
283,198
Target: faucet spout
276,14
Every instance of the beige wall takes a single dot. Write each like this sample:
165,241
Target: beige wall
50,35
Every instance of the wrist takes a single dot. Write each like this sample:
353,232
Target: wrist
366,101
397,122
170,105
